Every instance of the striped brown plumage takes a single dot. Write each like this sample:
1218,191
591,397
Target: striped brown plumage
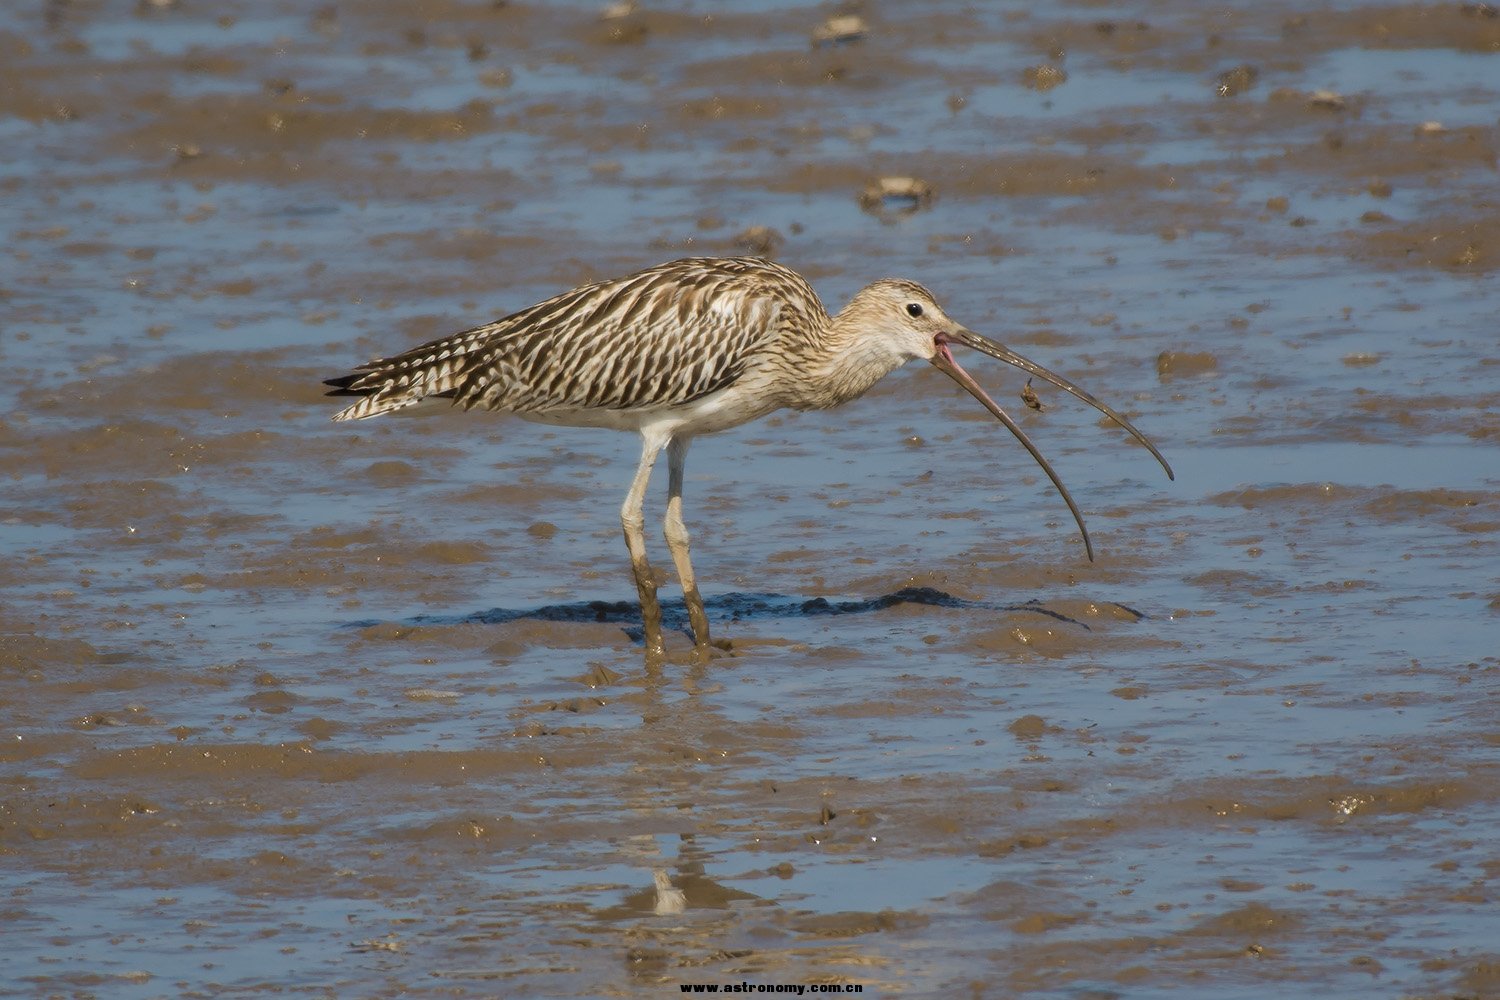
689,347
661,337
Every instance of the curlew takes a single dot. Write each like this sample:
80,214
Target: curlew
685,348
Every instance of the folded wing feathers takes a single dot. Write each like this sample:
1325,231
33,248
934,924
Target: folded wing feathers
661,337
387,384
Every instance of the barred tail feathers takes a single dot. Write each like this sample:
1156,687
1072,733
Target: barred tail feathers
394,383
375,404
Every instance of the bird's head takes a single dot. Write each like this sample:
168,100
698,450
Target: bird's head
904,316
912,325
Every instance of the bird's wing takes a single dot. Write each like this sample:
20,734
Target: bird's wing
662,337
406,379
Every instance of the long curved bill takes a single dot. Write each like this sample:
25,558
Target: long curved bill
944,361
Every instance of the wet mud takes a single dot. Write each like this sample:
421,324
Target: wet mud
289,707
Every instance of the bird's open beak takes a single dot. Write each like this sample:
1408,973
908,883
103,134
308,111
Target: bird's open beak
944,361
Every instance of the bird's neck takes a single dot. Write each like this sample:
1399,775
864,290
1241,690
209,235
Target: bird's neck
848,362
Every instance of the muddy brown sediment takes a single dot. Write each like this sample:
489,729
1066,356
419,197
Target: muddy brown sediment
286,705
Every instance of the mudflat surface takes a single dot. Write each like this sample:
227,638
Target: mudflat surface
296,708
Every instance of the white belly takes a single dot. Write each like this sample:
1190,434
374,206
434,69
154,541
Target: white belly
717,411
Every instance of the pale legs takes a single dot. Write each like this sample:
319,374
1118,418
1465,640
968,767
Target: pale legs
677,541
633,520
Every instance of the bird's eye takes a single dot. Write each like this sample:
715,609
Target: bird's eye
913,309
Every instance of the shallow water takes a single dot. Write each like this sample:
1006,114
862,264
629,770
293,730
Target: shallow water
296,707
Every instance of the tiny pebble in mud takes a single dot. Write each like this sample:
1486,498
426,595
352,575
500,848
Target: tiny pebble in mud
1233,82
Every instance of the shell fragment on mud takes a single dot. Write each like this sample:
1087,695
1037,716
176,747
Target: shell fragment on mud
896,196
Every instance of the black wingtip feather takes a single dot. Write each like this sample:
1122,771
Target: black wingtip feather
341,386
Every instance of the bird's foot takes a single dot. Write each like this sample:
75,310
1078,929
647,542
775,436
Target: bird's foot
703,652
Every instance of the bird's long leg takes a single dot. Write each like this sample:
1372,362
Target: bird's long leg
677,541
633,519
